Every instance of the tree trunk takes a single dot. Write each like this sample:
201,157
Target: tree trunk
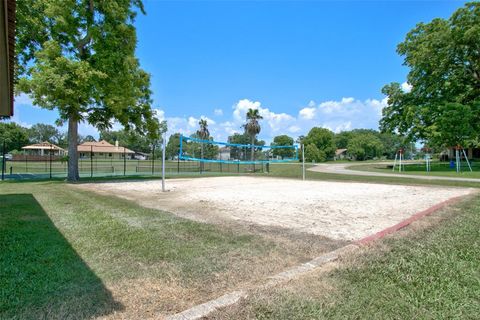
72,150
253,149
201,156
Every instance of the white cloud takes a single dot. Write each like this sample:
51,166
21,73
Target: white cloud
159,114
407,87
218,112
307,113
336,115
294,129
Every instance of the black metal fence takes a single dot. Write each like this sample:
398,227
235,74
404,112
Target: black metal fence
50,168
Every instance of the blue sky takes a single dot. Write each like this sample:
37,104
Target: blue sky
302,63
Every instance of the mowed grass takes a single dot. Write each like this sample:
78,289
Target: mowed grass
430,270
440,169
67,253
294,171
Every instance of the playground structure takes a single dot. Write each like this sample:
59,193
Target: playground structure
399,157
459,152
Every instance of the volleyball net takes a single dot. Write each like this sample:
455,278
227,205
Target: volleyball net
195,149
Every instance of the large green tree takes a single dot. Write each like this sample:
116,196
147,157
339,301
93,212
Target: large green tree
323,139
283,140
13,136
443,105
172,149
364,146
41,132
78,57
240,153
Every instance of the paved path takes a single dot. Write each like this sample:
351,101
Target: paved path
342,168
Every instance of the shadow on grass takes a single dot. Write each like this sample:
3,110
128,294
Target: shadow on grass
41,274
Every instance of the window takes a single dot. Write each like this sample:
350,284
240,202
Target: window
109,154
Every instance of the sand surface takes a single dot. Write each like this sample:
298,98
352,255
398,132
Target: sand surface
339,210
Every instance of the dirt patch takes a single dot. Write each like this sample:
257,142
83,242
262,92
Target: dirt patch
337,210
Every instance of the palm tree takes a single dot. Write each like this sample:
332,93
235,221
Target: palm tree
252,127
203,134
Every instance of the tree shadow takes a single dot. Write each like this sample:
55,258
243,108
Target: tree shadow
41,275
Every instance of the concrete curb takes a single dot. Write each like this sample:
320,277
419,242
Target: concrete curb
408,221
203,310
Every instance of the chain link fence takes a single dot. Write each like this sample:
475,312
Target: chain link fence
51,162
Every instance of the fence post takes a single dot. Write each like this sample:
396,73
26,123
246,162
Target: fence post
238,167
124,162
91,161
51,161
178,164
153,159
3,160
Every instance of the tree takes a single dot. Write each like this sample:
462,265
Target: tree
283,140
13,135
240,153
173,146
252,128
313,154
363,146
78,57
444,61
342,138
89,138
323,139
44,132
203,134
129,139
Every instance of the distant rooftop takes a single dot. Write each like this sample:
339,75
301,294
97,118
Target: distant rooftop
102,146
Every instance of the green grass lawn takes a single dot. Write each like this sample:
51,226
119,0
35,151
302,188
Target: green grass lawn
440,169
294,170
430,270
68,253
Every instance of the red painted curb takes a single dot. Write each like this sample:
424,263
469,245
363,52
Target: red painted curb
408,221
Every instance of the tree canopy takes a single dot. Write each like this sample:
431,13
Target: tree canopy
443,105
283,140
78,57
13,136
323,139
41,132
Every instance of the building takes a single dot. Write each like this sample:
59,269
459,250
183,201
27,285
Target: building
340,154
103,150
141,155
472,153
44,149
7,56
224,153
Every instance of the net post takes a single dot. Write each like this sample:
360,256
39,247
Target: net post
91,161
163,162
124,162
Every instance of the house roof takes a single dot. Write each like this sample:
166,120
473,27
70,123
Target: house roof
7,43
102,146
340,151
43,145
